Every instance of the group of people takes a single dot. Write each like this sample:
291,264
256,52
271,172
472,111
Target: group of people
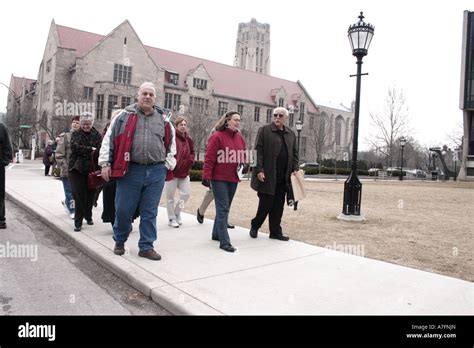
141,153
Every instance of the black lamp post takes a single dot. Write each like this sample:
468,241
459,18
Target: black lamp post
403,142
360,35
299,128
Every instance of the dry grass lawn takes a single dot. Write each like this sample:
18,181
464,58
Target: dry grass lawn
425,225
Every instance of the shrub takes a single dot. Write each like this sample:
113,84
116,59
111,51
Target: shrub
198,165
195,175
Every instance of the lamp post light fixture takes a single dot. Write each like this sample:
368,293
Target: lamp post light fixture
360,36
299,127
403,142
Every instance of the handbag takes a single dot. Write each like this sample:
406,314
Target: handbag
94,178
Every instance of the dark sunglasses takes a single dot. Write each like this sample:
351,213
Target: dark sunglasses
279,115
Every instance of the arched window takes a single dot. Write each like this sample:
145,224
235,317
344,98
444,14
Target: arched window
339,122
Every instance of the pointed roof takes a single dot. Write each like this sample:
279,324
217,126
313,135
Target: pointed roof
17,84
229,80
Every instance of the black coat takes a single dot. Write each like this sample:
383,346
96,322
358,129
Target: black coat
268,146
81,150
6,152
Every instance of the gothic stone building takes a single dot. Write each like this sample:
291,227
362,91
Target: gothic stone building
82,70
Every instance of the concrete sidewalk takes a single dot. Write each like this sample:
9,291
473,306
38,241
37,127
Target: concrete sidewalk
263,277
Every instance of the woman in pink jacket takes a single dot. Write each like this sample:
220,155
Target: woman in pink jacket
224,153
179,177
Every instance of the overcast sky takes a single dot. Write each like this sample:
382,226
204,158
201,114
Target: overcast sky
416,46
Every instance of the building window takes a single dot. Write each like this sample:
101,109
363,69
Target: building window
261,59
311,123
269,115
302,112
122,74
99,106
199,83
112,105
291,119
173,78
46,90
303,147
222,108
240,110
172,101
48,65
126,101
88,93
338,131
281,102
200,105
256,116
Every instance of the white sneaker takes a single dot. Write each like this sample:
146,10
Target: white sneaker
173,223
179,220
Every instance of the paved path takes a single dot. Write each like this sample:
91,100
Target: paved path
263,277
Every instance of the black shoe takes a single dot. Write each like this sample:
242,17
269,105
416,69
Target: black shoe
119,248
253,232
230,226
199,217
77,228
280,237
150,254
90,222
228,248
3,225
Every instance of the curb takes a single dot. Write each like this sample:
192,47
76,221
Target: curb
161,292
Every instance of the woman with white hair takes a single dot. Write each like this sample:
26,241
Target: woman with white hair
84,143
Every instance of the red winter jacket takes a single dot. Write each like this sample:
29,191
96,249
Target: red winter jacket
225,151
184,156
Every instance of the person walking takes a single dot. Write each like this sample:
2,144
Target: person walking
6,154
277,158
48,157
63,154
224,153
84,144
178,179
138,152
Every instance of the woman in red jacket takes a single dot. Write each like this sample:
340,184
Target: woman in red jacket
224,153
179,177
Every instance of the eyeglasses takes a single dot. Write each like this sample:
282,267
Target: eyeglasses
279,115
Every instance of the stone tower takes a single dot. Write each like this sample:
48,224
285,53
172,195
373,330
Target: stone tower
252,48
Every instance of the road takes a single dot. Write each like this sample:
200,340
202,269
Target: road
43,274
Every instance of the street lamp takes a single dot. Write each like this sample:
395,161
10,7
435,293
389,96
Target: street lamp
299,127
403,142
360,35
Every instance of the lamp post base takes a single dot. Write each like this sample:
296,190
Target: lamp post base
351,218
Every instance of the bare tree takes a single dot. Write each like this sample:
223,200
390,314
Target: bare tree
200,123
319,138
455,136
390,125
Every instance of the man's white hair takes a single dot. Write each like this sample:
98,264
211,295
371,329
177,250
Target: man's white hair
147,84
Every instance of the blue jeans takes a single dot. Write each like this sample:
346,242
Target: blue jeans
141,187
223,194
69,201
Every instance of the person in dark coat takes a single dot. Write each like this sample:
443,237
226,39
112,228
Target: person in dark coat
48,152
6,156
277,158
84,145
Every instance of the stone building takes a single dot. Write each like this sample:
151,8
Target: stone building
466,102
83,71
252,47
